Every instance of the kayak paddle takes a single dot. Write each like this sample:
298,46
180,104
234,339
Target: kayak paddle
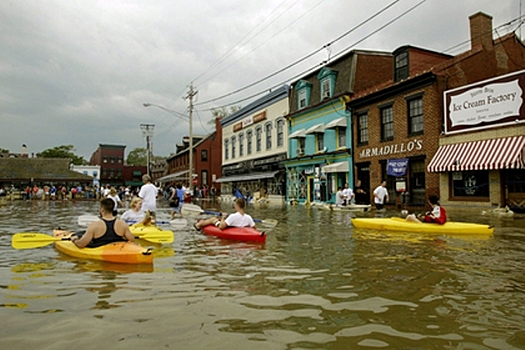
192,209
30,240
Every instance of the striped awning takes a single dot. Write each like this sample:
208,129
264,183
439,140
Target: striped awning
504,153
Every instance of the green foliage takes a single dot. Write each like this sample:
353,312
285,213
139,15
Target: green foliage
138,156
222,112
64,151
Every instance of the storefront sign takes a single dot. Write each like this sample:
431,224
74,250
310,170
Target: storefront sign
397,167
489,103
414,145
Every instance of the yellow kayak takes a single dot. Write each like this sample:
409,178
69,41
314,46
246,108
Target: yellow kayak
118,252
140,230
400,224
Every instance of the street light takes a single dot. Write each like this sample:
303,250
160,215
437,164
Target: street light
184,117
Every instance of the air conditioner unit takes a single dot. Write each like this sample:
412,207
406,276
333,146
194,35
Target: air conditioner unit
299,152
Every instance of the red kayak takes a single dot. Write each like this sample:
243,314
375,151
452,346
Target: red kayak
235,233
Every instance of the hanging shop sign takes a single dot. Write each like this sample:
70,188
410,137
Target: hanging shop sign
397,167
403,147
486,104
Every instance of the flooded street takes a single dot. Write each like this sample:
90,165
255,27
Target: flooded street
317,283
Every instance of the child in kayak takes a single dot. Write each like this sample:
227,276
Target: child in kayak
438,214
239,219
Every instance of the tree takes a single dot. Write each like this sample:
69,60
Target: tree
222,112
64,151
138,156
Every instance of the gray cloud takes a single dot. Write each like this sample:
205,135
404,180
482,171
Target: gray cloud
77,72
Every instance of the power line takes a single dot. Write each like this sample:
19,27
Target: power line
303,58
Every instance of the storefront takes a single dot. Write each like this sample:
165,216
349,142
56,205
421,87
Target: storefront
481,158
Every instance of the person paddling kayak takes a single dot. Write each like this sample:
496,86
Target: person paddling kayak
106,230
438,214
239,219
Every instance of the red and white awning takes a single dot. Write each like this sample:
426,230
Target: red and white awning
504,153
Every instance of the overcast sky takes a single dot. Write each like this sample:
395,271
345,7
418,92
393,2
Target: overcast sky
78,72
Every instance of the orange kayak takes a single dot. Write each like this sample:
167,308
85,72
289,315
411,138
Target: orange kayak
117,252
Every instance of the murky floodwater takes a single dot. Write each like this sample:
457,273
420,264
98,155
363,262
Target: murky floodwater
315,284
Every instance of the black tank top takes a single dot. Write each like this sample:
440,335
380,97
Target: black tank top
109,237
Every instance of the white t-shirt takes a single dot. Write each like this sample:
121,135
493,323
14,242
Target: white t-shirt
348,193
115,199
381,192
339,198
148,193
130,216
239,220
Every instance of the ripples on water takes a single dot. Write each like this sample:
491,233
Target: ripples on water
316,283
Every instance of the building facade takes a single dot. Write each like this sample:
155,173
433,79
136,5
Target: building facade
320,142
254,145
110,158
399,125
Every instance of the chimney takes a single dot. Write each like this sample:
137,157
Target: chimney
481,30
24,151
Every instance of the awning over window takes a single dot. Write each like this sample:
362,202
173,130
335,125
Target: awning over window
339,122
340,167
247,177
504,153
137,173
298,133
319,128
175,176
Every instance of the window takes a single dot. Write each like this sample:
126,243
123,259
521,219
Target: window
387,124
85,172
415,116
249,135
258,139
401,66
341,137
105,160
362,124
470,184
325,88
111,173
233,147
241,144
303,93
268,128
95,173
119,159
301,143
112,160
417,181
280,132
319,140
105,173
119,173
204,155
226,144
302,99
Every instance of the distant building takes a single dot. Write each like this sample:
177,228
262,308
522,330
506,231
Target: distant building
113,171
90,170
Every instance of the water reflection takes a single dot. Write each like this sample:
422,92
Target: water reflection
316,283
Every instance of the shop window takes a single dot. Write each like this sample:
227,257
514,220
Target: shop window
362,125
469,184
387,123
415,116
417,181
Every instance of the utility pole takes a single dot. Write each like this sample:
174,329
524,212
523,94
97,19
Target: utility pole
189,97
147,132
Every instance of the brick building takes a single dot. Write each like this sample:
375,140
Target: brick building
398,126
113,171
